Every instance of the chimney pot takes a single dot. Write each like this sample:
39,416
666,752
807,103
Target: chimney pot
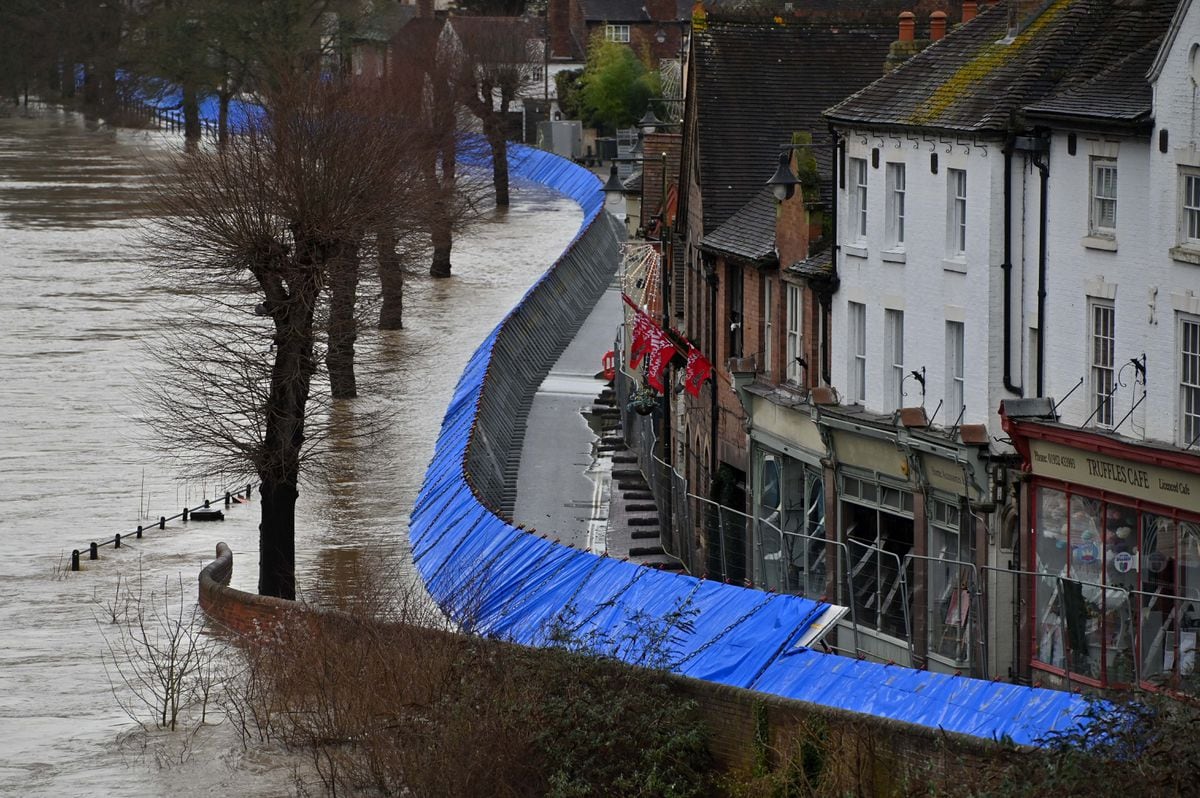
937,25
969,9
908,21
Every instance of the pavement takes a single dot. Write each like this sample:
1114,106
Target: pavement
576,481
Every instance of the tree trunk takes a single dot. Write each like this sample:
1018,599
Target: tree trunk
343,330
223,118
391,280
442,228
499,147
499,167
277,540
191,114
283,438
442,239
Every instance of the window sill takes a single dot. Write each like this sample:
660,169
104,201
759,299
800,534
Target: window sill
956,265
1186,254
1106,243
893,256
855,250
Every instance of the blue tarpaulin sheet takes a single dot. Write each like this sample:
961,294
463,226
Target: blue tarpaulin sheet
511,584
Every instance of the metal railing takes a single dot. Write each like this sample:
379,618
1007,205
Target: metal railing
115,541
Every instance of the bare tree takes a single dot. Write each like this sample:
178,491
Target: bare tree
500,61
263,226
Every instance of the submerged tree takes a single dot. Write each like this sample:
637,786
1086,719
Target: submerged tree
499,61
264,226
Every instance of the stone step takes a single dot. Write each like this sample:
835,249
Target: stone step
640,495
625,458
630,473
606,412
641,508
644,534
648,520
615,440
646,551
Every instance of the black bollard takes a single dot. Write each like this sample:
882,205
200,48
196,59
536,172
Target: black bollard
94,551
226,498
139,532
75,559
248,492
206,504
185,515
162,522
117,541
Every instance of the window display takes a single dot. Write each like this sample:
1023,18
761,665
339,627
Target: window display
1117,597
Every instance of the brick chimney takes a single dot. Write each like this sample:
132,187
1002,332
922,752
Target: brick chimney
908,21
969,9
425,9
937,25
558,15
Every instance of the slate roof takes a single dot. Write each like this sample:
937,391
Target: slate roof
749,233
757,83
627,10
975,79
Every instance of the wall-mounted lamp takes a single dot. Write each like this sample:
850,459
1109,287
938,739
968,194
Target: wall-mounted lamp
783,183
614,193
649,122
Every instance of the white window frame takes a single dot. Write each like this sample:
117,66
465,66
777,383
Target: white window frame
1189,207
1102,370
768,320
895,205
956,212
856,338
857,209
1103,195
956,333
617,33
793,319
1189,378
893,352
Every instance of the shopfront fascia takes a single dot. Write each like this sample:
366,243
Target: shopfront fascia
1113,537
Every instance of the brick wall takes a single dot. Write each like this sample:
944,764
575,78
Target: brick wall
881,752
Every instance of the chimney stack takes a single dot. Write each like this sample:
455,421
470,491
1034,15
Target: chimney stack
969,10
908,21
937,25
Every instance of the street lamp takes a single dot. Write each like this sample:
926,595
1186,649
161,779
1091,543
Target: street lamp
614,194
783,183
649,122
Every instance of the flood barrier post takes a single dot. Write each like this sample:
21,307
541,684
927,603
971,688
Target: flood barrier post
139,532
74,559
162,522
94,551
117,541
185,515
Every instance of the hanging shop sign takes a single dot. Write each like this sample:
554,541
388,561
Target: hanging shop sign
1130,478
656,346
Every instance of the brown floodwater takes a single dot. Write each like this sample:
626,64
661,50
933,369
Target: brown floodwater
77,313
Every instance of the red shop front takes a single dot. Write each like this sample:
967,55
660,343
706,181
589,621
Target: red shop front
1112,543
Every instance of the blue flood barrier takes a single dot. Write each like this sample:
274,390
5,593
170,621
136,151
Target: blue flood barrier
511,584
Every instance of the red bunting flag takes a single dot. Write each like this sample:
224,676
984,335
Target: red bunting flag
698,370
643,329
661,350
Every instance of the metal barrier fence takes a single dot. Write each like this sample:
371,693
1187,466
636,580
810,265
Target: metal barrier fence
115,541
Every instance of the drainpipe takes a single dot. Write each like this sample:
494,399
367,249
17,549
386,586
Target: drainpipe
1038,148
1044,169
1007,266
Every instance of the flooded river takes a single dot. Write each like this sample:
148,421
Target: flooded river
76,313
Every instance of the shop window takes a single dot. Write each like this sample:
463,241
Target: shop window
790,515
1117,597
951,582
878,543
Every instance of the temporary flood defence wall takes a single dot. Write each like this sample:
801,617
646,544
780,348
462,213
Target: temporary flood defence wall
502,581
